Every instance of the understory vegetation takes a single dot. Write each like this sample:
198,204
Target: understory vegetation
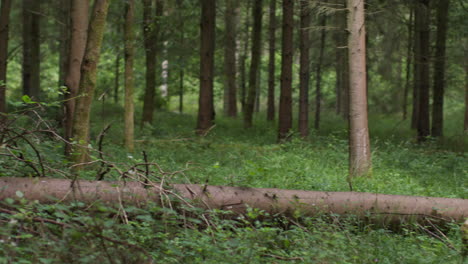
229,155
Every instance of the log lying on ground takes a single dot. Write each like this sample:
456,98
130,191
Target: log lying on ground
387,208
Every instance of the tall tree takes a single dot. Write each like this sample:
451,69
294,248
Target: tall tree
287,50
206,112
31,48
243,57
151,29
359,146
409,61
439,69
271,62
79,33
88,79
230,90
129,50
318,76
64,10
4,30
304,74
422,18
341,61
254,64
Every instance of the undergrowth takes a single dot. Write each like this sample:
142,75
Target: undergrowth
230,155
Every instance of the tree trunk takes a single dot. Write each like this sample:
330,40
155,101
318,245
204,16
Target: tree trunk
408,64
129,50
287,50
342,71
64,10
439,70
116,78
88,80
4,30
231,21
465,125
151,31
318,94
304,74
359,146
243,58
79,34
381,208
206,112
271,62
254,63
416,67
31,48
181,91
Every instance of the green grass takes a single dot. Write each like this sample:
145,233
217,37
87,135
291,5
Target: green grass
231,155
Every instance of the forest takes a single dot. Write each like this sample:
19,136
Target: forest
233,131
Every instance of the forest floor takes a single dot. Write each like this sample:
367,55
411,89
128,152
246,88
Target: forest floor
230,155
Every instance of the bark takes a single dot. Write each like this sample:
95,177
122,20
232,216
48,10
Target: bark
416,66
422,58
378,207
129,50
439,70
287,50
31,48
359,146
151,37
230,90
88,80
465,125
318,93
243,58
254,64
341,64
304,73
4,30
116,78
79,33
271,62
408,64
207,40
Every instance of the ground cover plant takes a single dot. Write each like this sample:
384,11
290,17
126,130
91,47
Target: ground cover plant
80,233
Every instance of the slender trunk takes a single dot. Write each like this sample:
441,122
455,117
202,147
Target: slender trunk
344,61
359,146
439,70
31,42
116,78
465,125
206,112
151,31
408,64
304,74
79,34
416,68
318,94
271,62
4,30
338,62
88,80
254,64
181,91
243,58
129,40
64,9
231,20
287,50
422,58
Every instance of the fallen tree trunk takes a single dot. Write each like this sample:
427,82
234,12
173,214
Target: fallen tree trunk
381,207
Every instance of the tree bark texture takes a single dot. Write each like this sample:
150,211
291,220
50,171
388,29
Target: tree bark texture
341,63
439,69
368,206
271,62
64,10
151,29
254,63
243,57
359,146
206,110
304,72
231,20
465,124
79,33
422,55
116,78
4,31
318,81
287,50
31,48
88,80
129,49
